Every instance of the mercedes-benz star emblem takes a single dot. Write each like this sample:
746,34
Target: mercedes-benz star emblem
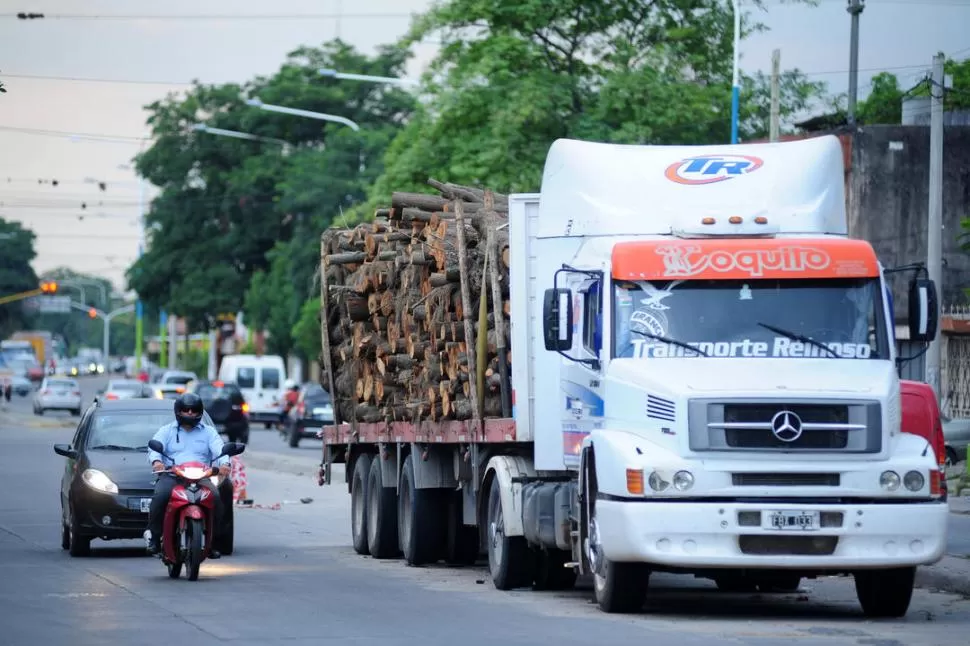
786,425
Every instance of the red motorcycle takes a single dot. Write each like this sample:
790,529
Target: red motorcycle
189,522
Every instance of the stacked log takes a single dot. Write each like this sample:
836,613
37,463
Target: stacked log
401,301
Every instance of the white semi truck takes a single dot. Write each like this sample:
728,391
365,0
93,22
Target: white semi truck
704,383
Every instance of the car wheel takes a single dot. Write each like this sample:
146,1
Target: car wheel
40,411
76,412
79,545
65,536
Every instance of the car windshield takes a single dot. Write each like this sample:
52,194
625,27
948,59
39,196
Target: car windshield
767,318
129,430
210,391
180,380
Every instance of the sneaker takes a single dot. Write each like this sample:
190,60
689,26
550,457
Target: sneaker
154,548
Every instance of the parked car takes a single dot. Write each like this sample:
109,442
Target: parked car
956,434
107,484
226,405
58,393
125,389
313,409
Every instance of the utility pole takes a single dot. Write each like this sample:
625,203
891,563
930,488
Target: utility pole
934,229
775,126
172,341
855,9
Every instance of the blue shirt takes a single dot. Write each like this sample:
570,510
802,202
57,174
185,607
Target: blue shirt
201,444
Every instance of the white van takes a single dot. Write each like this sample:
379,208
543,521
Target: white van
260,379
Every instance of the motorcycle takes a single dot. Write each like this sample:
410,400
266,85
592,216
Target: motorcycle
189,523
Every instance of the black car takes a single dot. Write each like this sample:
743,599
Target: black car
107,485
313,409
226,405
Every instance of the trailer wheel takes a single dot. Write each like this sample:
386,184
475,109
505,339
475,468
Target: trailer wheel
381,515
462,543
509,557
885,593
420,518
358,503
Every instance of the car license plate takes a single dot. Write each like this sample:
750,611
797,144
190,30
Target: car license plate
146,504
799,521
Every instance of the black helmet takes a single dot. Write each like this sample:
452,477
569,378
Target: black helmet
189,409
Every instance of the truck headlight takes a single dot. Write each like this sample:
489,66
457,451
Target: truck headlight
914,481
98,481
656,482
889,480
683,480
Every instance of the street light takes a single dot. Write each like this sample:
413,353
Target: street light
107,318
201,127
735,88
256,103
331,73
80,283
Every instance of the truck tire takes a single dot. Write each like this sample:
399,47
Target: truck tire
381,515
462,542
420,518
509,557
885,593
358,503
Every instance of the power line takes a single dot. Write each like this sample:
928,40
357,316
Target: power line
223,16
79,135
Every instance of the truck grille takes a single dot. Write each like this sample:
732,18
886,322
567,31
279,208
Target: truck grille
785,479
783,426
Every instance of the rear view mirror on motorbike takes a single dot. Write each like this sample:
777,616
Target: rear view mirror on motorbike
232,448
156,446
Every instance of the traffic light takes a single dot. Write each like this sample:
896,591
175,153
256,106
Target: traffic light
92,313
48,287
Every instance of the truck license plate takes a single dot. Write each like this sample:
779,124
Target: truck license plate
146,504
799,521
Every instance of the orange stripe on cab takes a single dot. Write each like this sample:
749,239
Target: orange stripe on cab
734,259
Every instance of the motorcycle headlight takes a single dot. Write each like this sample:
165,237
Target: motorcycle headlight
98,481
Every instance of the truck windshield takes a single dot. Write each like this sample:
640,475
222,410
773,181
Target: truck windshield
818,318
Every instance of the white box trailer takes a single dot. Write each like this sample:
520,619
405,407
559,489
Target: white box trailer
704,382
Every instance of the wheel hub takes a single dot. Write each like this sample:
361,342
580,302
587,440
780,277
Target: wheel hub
593,548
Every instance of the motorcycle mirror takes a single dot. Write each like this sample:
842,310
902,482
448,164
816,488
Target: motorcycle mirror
156,446
232,448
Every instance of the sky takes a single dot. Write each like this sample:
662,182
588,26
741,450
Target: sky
48,115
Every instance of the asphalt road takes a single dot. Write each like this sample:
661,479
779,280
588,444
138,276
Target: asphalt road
295,580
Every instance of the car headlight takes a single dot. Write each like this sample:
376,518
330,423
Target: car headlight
98,481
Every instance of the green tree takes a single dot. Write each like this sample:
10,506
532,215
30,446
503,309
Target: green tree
514,75
16,274
225,203
306,332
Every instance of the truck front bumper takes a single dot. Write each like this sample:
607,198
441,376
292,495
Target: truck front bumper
730,535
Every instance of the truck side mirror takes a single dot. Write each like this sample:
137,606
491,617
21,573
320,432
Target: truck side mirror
923,310
557,320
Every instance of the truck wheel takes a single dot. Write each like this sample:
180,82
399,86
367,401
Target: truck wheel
551,571
381,515
358,503
885,593
419,518
509,557
462,543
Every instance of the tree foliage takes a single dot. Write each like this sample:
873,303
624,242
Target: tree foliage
16,274
514,76
225,202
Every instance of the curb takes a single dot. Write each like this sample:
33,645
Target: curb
951,575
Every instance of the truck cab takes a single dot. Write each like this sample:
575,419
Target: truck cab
727,388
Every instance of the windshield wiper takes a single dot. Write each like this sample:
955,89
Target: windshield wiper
794,336
667,339
111,447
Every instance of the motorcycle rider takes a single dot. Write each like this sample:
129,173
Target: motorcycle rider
290,400
186,439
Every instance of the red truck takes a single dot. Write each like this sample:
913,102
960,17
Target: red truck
921,416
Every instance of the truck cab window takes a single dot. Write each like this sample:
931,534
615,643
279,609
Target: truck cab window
592,318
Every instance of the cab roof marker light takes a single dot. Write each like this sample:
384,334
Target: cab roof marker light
708,221
761,220
735,219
